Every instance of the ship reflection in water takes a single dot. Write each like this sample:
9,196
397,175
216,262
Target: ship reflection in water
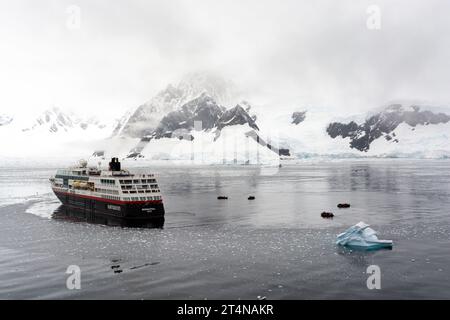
67,213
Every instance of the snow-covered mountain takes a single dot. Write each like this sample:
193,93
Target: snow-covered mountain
205,125
52,133
55,120
203,110
392,131
203,117
144,120
398,130
200,105
207,113
384,124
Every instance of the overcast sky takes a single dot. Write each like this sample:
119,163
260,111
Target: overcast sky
282,52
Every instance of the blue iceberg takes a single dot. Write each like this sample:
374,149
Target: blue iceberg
361,236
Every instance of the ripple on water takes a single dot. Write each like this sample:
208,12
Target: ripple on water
44,207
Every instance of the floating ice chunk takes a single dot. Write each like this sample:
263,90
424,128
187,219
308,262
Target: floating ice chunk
363,237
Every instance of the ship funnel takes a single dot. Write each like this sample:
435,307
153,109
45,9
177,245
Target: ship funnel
114,165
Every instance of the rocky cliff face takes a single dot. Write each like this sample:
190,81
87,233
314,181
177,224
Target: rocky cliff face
203,110
236,116
383,124
202,113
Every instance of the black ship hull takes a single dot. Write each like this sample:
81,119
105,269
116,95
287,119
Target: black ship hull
109,212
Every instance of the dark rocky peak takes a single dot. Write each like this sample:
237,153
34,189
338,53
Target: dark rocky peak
203,109
236,116
200,104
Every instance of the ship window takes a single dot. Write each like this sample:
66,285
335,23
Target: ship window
143,198
135,181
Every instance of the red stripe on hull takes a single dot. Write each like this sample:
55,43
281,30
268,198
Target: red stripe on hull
107,200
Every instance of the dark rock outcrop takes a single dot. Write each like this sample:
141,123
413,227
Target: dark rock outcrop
284,152
298,117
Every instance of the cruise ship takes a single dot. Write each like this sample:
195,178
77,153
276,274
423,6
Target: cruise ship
112,197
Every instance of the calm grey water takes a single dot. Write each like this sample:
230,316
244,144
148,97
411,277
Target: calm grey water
276,246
